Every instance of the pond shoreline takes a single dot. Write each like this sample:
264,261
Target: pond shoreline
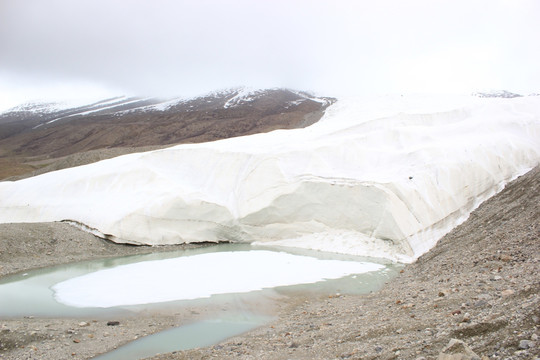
479,284
26,246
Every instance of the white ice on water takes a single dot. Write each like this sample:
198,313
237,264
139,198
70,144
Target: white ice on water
381,176
194,277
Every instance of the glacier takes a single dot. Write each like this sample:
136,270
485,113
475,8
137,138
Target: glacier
383,176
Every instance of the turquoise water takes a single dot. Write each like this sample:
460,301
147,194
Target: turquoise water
199,334
30,294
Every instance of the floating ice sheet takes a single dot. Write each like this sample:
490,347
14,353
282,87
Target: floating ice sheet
199,276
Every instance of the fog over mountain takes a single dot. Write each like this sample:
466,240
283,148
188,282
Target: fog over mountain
53,49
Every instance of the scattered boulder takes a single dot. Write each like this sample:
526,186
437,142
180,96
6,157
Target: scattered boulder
457,350
525,344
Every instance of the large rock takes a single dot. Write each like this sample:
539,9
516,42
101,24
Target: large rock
458,350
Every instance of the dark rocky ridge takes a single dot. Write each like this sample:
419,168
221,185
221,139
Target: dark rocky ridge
497,94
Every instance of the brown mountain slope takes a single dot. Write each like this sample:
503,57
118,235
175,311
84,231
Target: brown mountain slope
31,142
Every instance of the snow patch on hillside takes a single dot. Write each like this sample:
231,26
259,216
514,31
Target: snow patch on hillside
101,106
309,96
49,107
243,95
40,107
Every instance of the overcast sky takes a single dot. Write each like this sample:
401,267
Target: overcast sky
56,48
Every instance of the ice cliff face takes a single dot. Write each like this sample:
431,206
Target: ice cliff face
383,177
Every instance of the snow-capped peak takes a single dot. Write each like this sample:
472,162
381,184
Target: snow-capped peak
243,95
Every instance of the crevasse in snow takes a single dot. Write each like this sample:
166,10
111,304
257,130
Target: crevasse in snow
382,176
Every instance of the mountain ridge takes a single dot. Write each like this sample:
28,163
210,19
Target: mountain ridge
33,135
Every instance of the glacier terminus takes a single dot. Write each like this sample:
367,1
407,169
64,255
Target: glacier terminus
382,176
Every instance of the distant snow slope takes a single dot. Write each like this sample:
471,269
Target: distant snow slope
245,95
384,177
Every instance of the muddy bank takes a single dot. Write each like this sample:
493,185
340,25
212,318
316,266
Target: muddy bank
480,284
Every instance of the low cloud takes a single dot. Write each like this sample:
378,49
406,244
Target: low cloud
167,47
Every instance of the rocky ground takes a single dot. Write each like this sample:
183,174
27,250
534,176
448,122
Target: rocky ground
480,285
30,246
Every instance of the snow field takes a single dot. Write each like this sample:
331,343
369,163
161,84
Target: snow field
383,176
